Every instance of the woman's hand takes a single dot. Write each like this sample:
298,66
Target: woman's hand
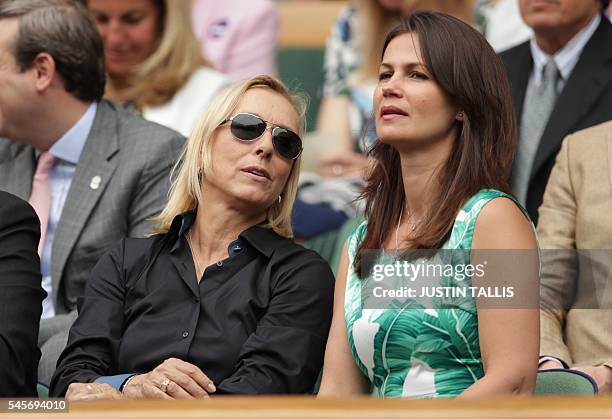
172,379
78,392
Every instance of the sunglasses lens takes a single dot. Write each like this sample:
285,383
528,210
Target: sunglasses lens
247,127
287,143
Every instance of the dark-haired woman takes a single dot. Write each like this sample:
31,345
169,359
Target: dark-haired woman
446,139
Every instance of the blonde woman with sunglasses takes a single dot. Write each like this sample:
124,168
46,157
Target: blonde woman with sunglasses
220,300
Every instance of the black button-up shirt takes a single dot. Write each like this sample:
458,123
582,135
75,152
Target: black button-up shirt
256,323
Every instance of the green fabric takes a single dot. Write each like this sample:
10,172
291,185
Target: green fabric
413,350
330,245
563,382
325,245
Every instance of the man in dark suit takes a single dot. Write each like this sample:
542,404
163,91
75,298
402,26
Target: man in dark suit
97,172
21,296
570,53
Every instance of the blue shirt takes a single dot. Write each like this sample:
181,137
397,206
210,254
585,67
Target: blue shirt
67,151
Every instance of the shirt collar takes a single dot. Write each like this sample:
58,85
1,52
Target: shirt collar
263,238
260,236
70,145
567,57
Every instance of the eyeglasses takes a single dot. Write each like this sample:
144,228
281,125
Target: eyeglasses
247,127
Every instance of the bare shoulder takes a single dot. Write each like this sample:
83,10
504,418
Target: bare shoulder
501,224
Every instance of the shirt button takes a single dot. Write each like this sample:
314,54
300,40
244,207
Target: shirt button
220,263
185,334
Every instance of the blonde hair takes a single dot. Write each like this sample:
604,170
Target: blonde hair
177,56
196,159
375,22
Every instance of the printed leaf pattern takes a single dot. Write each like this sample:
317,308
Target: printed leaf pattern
409,349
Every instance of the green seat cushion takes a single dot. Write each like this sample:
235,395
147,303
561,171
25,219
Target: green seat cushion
564,382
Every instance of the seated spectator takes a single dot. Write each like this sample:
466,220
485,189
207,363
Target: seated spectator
153,60
576,319
221,300
240,37
561,82
21,297
97,172
446,133
350,72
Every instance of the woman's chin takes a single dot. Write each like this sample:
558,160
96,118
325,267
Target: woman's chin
392,139
254,204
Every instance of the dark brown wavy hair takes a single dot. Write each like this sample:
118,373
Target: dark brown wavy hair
467,69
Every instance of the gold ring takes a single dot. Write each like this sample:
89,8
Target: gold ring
164,385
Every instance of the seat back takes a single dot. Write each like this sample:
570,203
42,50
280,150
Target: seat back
301,69
42,390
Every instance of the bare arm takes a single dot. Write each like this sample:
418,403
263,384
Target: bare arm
341,160
334,118
341,376
509,336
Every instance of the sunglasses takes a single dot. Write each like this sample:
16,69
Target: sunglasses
247,127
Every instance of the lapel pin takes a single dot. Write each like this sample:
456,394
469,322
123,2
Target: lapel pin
95,182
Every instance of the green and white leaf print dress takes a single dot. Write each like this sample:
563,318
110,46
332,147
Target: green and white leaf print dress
410,350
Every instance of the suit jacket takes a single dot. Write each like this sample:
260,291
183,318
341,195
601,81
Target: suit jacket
239,37
586,100
575,214
21,297
121,180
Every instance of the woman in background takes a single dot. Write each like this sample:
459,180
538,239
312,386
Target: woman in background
154,61
446,138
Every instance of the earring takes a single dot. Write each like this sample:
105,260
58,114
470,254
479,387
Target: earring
460,116
280,200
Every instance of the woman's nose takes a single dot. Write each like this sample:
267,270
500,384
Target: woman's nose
113,34
264,146
391,88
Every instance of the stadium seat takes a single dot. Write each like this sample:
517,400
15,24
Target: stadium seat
564,382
